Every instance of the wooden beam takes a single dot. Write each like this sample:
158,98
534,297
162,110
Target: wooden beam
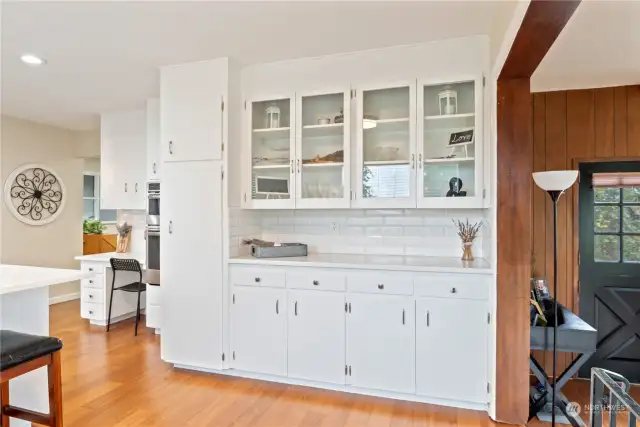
515,155
542,23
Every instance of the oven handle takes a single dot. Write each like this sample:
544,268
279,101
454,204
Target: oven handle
153,233
154,196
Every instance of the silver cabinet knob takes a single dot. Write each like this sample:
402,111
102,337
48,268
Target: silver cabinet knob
380,286
454,290
257,279
316,283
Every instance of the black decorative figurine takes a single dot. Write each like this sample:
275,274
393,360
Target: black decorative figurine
455,188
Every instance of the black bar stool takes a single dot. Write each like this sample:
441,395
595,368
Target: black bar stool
120,264
21,353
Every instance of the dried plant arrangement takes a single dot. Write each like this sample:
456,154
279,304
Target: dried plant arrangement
468,233
124,237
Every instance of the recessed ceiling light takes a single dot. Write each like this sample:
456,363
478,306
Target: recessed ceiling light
32,60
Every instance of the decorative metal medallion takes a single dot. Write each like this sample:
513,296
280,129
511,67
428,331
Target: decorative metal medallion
34,194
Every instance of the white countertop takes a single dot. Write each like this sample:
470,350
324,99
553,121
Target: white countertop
105,257
377,262
16,278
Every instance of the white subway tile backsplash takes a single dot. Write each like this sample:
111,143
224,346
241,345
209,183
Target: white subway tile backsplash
373,231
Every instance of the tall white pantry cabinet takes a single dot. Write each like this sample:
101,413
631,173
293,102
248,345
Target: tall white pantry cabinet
193,131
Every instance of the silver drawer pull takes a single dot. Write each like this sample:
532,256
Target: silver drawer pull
454,290
91,269
90,311
90,281
380,286
91,296
316,283
257,279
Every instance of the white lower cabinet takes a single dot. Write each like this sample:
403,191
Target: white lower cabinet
316,336
451,349
259,330
381,342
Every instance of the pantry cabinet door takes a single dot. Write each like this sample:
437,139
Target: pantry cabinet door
154,162
191,258
259,330
191,110
451,349
316,347
323,149
381,342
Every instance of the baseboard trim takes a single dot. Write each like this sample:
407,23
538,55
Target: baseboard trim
64,298
338,387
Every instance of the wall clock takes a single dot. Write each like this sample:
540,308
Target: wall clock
34,194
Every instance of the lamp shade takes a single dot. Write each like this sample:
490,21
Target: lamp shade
555,180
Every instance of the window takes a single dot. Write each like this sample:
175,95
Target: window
91,200
616,224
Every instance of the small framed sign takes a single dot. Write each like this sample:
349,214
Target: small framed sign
461,138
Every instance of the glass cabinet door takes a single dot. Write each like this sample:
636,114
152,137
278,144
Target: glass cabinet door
449,144
386,147
272,146
322,162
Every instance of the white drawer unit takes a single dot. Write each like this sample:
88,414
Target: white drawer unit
380,283
93,267
92,295
412,335
153,295
91,311
466,286
96,281
153,314
258,276
317,279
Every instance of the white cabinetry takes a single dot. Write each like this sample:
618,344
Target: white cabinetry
316,335
122,154
154,162
191,259
462,355
153,311
259,330
381,342
191,110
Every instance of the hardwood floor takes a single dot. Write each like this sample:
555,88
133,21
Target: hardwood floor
115,379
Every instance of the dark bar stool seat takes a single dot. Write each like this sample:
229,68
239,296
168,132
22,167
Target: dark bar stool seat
21,353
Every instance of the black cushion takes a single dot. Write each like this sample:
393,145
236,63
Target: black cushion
17,348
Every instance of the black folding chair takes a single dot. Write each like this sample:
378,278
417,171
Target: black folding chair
120,264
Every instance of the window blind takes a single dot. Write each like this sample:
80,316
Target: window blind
616,180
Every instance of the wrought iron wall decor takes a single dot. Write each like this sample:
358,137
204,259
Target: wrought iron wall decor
34,194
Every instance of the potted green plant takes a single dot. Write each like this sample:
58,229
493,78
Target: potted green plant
90,226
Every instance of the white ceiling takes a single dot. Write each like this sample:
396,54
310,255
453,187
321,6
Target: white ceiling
103,56
600,46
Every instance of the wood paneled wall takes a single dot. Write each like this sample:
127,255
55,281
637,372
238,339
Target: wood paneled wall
570,127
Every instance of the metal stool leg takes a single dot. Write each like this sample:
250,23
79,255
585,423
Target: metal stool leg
138,313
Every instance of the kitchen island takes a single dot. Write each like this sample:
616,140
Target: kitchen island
24,307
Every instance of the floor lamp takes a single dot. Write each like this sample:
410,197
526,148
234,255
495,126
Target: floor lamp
555,183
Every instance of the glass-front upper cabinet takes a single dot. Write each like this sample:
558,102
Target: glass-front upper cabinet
386,156
450,144
322,150
272,146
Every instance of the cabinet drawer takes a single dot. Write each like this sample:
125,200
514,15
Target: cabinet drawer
92,295
95,282
381,283
153,295
91,311
93,267
152,312
309,278
258,276
466,286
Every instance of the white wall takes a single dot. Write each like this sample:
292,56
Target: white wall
57,243
92,165
87,143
